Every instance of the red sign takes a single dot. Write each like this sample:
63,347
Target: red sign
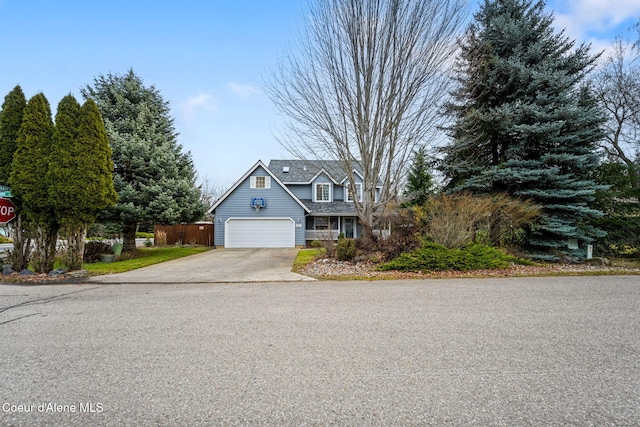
7,211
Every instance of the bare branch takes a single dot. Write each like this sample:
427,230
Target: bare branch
365,85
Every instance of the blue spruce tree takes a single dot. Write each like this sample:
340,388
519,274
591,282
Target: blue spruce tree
523,123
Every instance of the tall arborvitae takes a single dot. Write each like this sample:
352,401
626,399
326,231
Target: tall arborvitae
80,175
27,179
10,123
522,124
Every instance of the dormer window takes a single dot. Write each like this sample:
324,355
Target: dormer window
323,192
358,187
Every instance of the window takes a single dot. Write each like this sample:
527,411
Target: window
323,192
260,182
321,223
358,192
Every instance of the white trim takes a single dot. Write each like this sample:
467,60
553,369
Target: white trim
356,172
315,192
244,177
346,192
321,171
293,226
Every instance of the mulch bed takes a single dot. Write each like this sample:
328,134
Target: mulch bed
329,269
35,279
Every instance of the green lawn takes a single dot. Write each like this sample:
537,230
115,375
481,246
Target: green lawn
148,256
305,256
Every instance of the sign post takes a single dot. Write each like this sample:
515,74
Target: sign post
7,211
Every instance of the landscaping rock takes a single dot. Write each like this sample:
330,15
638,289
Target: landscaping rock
27,272
57,272
7,269
77,274
598,261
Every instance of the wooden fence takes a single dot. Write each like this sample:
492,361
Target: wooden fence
186,234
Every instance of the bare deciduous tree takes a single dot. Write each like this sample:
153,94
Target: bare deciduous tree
365,85
210,191
617,89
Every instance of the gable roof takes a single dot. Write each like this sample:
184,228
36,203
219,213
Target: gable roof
245,176
305,171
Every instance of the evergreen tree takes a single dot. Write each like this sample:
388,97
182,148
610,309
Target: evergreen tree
27,180
522,123
155,181
10,123
419,181
80,175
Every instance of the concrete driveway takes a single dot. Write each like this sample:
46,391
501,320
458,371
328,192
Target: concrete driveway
216,266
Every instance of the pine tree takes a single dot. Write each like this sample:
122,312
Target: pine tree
80,177
522,122
155,181
419,181
27,180
10,123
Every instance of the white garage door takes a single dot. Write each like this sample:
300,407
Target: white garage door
259,233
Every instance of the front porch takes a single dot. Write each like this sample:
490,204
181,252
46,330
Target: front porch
330,227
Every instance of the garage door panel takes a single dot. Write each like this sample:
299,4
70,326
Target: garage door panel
259,233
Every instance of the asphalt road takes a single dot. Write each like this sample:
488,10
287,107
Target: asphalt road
491,352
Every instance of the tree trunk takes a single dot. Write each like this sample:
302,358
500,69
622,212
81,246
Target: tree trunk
21,254
45,254
75,250
129,236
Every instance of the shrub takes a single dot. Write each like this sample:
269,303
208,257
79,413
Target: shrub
329,247
454,219
143,235
346,250
161,238
436,257
148,243
94,250
406,229
623,236
315,244
5,239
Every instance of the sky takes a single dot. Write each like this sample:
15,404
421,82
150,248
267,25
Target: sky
208,59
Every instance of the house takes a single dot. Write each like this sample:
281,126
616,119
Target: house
286,204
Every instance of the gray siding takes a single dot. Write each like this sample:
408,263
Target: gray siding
279,204
302,192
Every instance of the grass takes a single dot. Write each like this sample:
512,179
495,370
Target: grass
305,256
147,256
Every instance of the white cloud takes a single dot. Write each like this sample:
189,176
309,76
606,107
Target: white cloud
244,91
195,104
601,19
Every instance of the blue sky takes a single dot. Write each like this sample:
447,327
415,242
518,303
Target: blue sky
207,58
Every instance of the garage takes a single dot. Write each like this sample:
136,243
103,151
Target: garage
259,233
